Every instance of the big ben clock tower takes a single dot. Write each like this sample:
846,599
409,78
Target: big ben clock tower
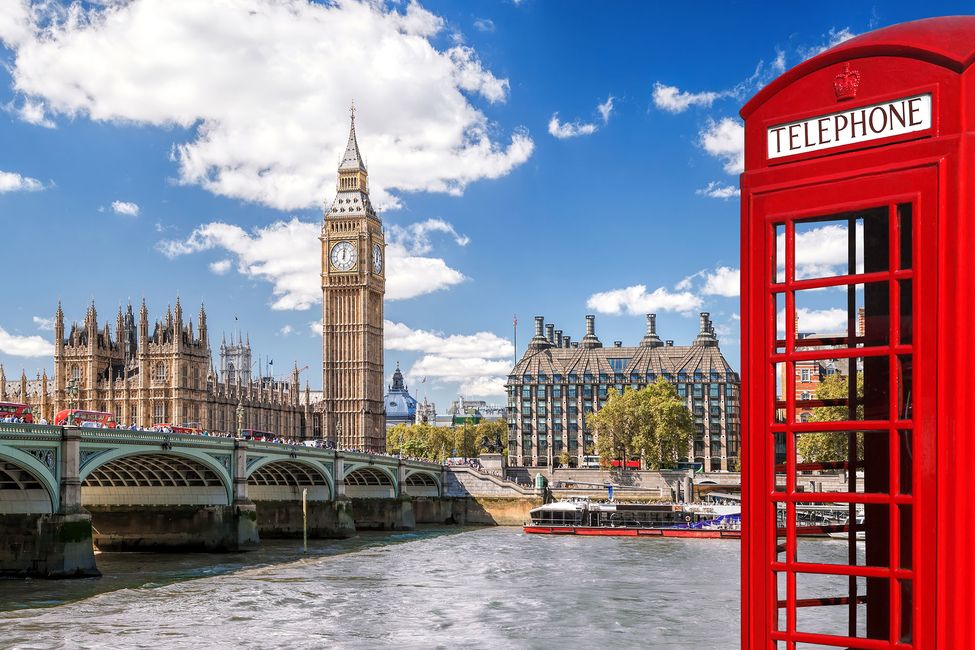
353,285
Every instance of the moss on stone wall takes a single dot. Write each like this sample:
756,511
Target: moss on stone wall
75,532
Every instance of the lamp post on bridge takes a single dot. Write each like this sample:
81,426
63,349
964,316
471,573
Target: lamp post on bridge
72,390
240,419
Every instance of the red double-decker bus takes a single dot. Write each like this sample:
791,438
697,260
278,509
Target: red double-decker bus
85,419
21,412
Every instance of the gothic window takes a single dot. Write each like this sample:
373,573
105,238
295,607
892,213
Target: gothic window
160,372
75,372
159,413
184,375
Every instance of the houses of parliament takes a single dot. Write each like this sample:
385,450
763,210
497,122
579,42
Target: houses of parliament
164,372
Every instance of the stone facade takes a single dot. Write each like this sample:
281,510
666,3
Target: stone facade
353,287
557,383
160,375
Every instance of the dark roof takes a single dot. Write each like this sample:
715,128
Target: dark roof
641,360
948,41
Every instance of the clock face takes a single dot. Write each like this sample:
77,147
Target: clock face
377,258
343,256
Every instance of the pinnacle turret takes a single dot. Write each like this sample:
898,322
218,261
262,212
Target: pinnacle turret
352,159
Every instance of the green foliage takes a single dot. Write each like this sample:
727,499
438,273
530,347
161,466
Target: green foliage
652,422
830,446
437,443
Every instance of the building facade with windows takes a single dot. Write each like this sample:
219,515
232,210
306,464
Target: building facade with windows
559,382
164,374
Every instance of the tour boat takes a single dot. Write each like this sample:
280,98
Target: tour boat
581,517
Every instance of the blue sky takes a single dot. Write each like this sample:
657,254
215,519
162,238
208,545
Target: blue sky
532,158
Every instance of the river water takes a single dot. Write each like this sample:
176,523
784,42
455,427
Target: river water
437,587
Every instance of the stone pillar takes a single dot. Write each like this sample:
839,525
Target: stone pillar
239,473
70,474
339,477
401,480
244,510
55,545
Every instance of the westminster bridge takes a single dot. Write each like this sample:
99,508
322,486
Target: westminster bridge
63,489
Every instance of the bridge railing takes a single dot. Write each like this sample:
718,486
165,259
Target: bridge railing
17,429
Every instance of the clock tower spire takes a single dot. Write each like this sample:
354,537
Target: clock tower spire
353,286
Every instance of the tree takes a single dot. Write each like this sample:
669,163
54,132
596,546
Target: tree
419,441
488,433
652,422
830,446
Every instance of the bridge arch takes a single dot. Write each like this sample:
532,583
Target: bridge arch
369,481
420,483
155,477
283,479
26,486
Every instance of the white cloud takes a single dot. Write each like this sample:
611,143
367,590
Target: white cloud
286,254
725,140
127,208
265,95
15,22
719,190
24,346
478,362
484,25
723,281
833,37
823,251
13,182
32,112
820,321
44,324
415,237
673,100
636,300
569,129
476,377
220,267
486,345
606,108
287,330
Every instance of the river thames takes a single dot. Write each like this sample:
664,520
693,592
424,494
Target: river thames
437,587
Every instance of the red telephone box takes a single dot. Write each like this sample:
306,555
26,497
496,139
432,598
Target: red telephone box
858,293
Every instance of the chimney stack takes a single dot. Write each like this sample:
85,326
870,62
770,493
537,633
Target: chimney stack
590,340
706,336
650,339
558,338
670,343
539,341
567,341
550,333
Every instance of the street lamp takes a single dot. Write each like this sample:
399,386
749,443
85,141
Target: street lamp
240,419
72,391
